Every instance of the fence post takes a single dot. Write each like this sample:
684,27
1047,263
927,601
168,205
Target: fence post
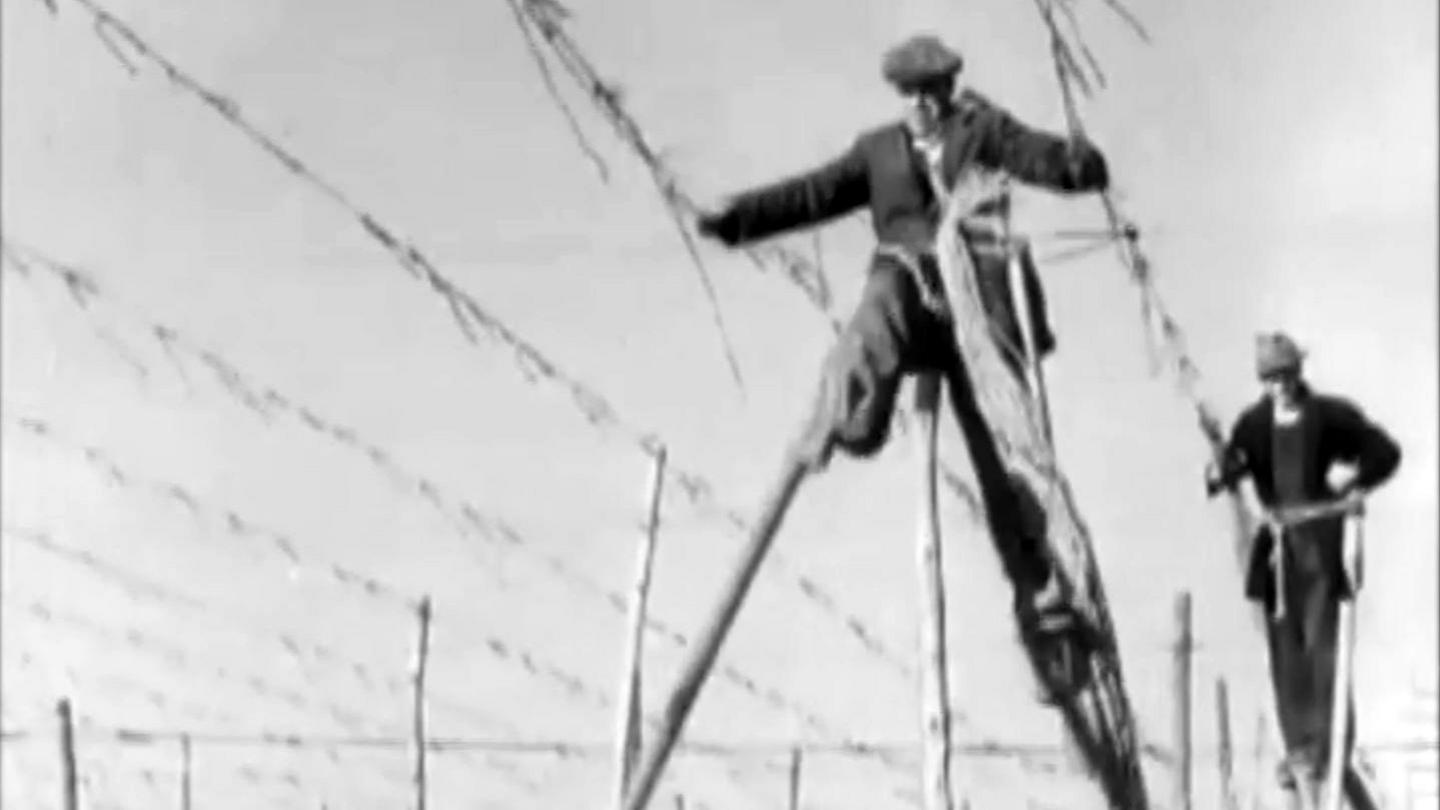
1226,755
185,772
628,731
934,677
795,755
69,780
419,740
1184,645
1260,780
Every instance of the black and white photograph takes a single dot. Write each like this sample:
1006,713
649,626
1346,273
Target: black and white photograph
694,405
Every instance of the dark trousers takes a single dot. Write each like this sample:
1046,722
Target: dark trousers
891,334
1303,653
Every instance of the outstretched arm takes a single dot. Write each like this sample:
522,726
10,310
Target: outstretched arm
1039,158
838,187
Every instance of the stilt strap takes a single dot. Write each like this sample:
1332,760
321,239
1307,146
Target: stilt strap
1287,517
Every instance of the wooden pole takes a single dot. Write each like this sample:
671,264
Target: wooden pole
1226,754
185,754
1020,302
934,680
419,740
69,780
628,735
1344,658
1261,729
707,646
795,755
1183,651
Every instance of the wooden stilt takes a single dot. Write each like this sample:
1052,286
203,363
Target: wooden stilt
1226,757
707,646
1339,762
69,773
1184,647
935,692
1020,302
628,733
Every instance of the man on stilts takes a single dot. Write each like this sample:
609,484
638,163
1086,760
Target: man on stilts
903,171
1287,443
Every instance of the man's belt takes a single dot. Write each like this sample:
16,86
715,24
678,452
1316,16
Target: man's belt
1287,517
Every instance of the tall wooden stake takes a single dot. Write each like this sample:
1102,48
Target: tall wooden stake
935,692
1258,788
1226,755
1344,657
707,646
69,779
419,740
1183,650
185,754
795,754
627,748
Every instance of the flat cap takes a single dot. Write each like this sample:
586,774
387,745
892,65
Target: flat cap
918,60
1276,353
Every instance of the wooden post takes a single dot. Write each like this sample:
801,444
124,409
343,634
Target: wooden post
1261,729
707,646
934,680
185,754
1344,658
795,755
1226,756
69,779
1183,651
419,739
627,748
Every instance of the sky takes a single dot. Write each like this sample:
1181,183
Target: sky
1278,158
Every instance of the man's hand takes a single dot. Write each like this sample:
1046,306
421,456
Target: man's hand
711,225
1352,498
1086,164
1215,483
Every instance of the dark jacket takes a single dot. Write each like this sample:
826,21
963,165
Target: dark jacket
1336,431
880,170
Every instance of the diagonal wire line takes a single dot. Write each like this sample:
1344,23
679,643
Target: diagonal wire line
1154,312
468,518
464,515
662,180
175,655
696,489
470,316
303,651
234,523
546,17
502,649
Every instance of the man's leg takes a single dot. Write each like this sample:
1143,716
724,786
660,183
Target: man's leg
861,376
891,333
1291,681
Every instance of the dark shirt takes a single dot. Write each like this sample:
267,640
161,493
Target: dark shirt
1291,471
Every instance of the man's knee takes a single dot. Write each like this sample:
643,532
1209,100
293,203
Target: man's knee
855,401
